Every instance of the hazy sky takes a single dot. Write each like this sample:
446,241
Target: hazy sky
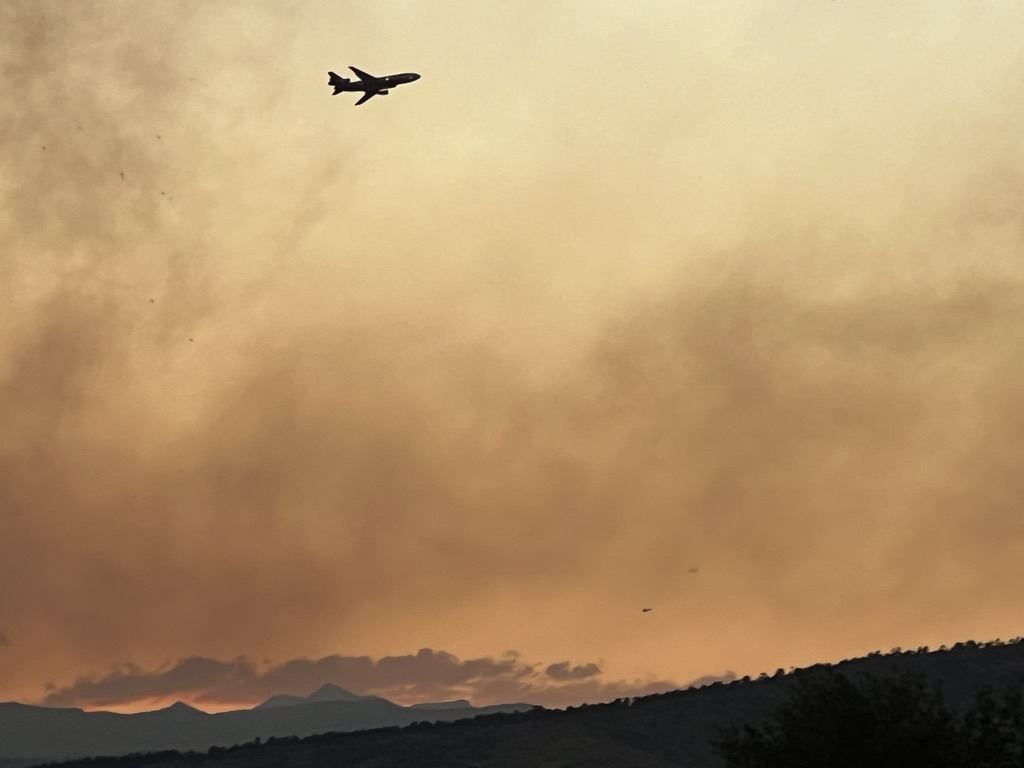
616,291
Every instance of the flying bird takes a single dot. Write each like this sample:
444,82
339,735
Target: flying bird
368,84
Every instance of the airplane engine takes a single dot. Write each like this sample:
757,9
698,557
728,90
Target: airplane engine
382,93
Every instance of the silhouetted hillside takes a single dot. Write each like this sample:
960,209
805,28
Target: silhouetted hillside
31,735
835,720
671,729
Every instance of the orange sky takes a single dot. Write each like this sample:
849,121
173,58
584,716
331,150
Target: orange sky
487,365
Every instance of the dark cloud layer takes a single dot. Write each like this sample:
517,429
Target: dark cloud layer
425,676
562,671
473,371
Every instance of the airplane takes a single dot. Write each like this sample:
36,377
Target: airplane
369,84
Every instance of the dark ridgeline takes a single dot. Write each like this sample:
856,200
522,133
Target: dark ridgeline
32,735
671,729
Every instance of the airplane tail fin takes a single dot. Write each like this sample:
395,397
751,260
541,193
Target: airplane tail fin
337,81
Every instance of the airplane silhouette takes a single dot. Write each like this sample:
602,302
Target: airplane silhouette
369,84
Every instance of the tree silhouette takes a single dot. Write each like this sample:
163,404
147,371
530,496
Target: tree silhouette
992,733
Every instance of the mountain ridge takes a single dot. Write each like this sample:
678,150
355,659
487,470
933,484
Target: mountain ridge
326,692
654,731
31,734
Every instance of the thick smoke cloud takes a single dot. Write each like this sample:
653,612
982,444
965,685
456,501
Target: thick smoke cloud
495,361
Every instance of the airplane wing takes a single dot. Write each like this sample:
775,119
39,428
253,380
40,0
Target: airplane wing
366,96
364,76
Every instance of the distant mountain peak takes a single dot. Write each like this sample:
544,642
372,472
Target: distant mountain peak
326,692
181,706
332,692
177,711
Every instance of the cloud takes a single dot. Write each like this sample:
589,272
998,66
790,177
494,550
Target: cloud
562,671
129,683
427,675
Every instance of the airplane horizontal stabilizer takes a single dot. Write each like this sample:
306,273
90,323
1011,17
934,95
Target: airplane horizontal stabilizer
337,81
